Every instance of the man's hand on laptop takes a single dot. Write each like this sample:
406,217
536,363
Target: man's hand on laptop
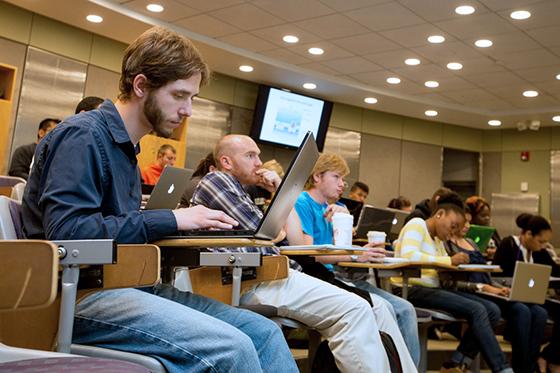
496,290
268,180
199,217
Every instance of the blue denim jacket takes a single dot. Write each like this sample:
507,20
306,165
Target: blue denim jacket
85,183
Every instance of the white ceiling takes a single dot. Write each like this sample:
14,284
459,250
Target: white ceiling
365,41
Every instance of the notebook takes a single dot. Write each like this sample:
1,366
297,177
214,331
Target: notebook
374,219
481,236
169,189
282,203
529,285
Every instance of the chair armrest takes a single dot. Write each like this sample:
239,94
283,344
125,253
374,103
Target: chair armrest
137,266
207,281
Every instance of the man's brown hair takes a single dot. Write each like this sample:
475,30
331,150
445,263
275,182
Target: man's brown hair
163,56
327,162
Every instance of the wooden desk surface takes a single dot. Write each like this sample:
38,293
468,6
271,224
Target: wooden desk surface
318,252
421,265
211,242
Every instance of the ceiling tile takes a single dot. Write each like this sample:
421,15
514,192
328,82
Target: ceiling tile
172,10
436,98
552,88
414,36
529,59
437,10
407,87
248,41
547,36
506,43
207,25
286,56
480,65
318,67
385,16
365,44
423,72
294,10
206,6
490,104
331,51
450,83
274,34
246,17
466,95
351,65
332,26
483,25
544,13
544,74
495,79
515,92
508,4
343,5
395,58
375,79
540,102
455,51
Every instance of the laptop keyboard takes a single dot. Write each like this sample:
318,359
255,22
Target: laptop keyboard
216,233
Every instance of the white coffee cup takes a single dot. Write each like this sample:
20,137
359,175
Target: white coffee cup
376,237
342,229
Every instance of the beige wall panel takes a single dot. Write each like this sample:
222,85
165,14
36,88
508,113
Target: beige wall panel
422,131
245,94
107,53
12,54
60,38
382,124
526,140
346,117
536,172
101,83
220,88
380,162
492,141
346,144
420,170
491,174
555,138
463,138
15,23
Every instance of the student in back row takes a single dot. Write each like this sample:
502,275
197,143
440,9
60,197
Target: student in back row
166,156
344,319
85,184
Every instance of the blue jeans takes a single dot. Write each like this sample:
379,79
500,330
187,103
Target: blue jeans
480,315
405,315
184,331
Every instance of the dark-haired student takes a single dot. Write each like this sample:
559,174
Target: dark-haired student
422,240
529,246
425,208
525,322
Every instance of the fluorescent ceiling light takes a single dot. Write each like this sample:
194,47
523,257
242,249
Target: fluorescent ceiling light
556,118
291,39
246,68
309,85
316,51
494,123
464,10
412,61
436,39
530,93
520,14
431,84
393,80
431,113
454,66
156,8
370,100
483,43
94,18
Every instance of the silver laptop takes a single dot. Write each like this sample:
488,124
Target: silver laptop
374,219
529,284
169,188
282,203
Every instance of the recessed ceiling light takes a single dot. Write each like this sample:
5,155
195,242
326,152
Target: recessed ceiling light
431,84
520,14
454,66
530,93
393,80
556,118
494,123
246,68
316,51
290,39
370,100
156,8
483,43
309,85
412,61
464,10
558,76
436,39
94,18
431,113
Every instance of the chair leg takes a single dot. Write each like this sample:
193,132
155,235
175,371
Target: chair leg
314,341
475,365
423,336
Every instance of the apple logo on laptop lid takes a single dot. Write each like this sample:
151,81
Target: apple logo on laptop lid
171,189
531,283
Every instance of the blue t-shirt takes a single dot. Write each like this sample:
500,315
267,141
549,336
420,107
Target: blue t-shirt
311,213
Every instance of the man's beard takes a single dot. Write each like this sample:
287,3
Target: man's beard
155,116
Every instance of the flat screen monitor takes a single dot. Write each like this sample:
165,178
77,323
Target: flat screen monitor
283,117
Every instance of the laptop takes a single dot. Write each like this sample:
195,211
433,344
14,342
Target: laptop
398,223
282,203
374,219
169,189
481,235
529,285
354,207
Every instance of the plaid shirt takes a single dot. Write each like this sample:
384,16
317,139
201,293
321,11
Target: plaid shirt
221,191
